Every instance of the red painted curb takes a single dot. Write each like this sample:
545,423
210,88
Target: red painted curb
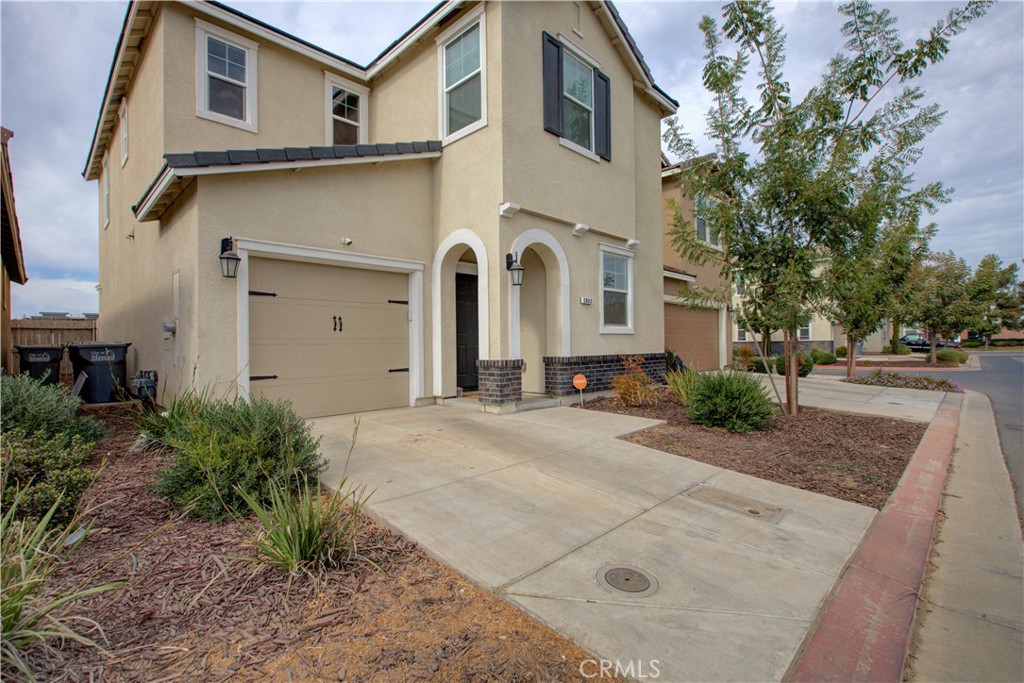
864,630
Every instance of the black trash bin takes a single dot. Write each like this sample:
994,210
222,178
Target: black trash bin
41,362
105,369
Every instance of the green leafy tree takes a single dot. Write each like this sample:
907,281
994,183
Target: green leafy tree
800,181
997,292
945,301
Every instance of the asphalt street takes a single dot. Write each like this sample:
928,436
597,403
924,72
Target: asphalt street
1001,378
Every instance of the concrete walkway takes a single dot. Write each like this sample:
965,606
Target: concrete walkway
827,393
537,505
971,627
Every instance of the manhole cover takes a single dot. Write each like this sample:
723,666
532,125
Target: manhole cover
624,578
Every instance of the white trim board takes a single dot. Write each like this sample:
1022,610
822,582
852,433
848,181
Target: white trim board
245,248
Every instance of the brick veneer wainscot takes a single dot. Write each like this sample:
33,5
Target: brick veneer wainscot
500,381
599,370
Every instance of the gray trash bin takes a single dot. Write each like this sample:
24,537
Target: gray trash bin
41,362
104,365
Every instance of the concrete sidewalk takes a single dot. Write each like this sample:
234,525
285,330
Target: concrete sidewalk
826,393
536,506
971,621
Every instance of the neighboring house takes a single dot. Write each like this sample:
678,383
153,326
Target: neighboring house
13,259
373,209
697,334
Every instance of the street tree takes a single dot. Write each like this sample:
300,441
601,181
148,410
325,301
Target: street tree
790,174
997,292
944,300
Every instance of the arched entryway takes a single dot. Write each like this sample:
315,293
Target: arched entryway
539,309
459,288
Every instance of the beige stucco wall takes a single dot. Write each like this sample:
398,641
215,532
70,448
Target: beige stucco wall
384,209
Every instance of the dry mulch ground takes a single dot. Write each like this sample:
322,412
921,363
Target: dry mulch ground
193,610
852,457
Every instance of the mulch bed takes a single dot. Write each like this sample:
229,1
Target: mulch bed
194,610
907,365
852,457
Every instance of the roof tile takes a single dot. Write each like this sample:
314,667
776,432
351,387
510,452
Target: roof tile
181,160
212,158
322,152
297,153
271,155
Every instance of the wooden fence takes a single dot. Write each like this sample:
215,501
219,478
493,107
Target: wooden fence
44,331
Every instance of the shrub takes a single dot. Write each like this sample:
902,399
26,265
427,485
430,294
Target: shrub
806,364
735,401
218,447
681,384
41,471
634,387
950,356
900,380
757,365
31,406
971,344
31,615
303,529
822,357
841,352
1007,342
899,350
743,357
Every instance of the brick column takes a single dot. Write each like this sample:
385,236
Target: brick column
500,381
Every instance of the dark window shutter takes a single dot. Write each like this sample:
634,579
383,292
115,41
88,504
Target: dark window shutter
602,116
552,85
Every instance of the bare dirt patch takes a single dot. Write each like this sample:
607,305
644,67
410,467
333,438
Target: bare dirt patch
851,457
194,610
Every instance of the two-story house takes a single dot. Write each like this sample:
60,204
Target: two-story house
10,247
477,209
698,331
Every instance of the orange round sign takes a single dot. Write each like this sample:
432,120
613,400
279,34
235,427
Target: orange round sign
580,382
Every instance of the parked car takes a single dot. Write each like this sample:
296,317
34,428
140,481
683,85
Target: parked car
918,341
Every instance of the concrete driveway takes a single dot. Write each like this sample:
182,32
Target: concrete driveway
536,506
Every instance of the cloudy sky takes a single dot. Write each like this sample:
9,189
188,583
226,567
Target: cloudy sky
54,59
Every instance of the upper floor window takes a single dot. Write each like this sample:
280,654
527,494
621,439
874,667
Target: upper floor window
705,233
225,77
122,115
577,99
346,111
616,290
741,334
463,77
106,192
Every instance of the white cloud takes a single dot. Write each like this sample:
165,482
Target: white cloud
56,294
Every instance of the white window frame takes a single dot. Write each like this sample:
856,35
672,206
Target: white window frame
628,255
122,115
106,192
476,16
803,333
707,228
203,30
569,48
741,334
332,81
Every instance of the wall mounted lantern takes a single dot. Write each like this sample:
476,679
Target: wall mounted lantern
229,260
515,268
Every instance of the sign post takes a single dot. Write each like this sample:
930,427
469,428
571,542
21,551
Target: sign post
580,382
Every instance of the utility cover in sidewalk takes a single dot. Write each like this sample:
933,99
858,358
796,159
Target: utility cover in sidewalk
625,578
750,507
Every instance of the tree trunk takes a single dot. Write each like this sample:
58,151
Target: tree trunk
851,355
767,365
987,338
895,341
792,364
932,342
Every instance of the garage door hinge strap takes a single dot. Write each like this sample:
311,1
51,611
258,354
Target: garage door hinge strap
399,370
398,301
253,292
253,378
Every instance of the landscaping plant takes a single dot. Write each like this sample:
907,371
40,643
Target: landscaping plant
950,357
822,357
46,475
735,401
743,357
841,352
31,406
302,529
30,615
218,447
901,380
805,368
633,387
681,384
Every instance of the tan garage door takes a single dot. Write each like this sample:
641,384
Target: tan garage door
327,338
693,334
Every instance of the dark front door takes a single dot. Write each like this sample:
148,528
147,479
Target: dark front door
467,344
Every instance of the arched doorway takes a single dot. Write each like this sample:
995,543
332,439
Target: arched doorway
459,311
